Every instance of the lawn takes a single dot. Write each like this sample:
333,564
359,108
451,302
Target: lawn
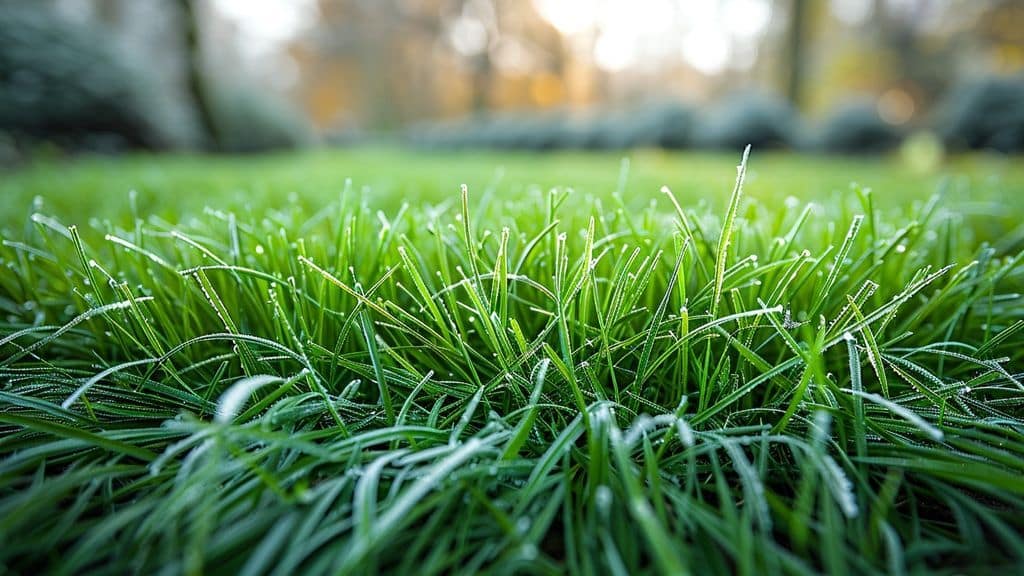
341,362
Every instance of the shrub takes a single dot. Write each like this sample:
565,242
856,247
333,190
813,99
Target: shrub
69,84
510,131
548,131
610,131
668,125
250,120
344,134
583,133
757,119
503,131
655,124
856,127
986,113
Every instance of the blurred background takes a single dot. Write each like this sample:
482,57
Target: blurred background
842,76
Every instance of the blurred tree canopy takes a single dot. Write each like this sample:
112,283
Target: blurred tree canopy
348,67
389,62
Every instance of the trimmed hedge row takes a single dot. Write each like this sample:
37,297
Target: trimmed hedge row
980,114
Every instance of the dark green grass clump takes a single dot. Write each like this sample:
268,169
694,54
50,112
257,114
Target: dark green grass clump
543,384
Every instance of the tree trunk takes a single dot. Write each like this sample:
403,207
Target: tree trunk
481,82
794,60
198,87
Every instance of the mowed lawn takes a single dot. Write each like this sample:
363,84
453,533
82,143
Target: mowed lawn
343,362
173,186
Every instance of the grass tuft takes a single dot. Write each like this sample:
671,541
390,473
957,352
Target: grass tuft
544,382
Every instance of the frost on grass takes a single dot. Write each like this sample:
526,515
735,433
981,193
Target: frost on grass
386,388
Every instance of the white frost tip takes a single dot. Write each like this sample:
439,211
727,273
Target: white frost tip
234,398
603,497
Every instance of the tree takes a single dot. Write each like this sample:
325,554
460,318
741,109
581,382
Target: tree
198,88
794,59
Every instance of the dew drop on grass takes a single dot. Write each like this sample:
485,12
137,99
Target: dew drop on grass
603,498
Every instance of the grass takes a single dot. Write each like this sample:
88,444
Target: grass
511,379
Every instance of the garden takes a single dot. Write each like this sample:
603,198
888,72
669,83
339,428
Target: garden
664,338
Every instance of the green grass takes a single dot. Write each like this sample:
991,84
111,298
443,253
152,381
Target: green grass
388,375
